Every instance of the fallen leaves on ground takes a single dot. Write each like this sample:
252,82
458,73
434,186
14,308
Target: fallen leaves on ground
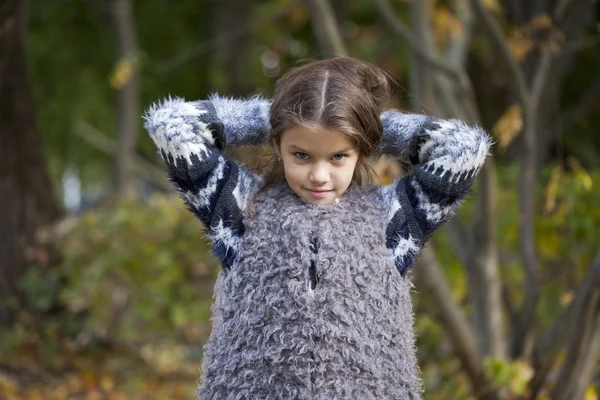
109,376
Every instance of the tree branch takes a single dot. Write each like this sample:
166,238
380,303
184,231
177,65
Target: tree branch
421,74
429,278
400,29
577,349
552,341
211,44
588,364
508,304
457,234
485,257
561,9
458,47
583,332
530,102
574,113
326,28
143,168
576,46
531,108
541,76
495,33
128,101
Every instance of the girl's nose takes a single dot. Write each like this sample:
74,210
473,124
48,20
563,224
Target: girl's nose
319,174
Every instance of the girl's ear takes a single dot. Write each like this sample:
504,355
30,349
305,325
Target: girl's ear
276,147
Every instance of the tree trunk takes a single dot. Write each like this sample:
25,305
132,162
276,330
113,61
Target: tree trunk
230,60
128,104
421,80
26,194
454,98
326,30
572,19
231,57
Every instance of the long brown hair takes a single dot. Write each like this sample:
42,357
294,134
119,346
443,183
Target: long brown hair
346,95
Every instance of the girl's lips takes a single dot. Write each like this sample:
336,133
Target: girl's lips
319,193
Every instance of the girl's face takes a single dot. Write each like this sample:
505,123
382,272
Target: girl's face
318,163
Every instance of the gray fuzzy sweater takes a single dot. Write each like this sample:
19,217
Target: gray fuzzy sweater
312,301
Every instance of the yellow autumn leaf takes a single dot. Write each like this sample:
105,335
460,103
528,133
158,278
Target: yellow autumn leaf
540,21
508,126
523,39
554,47
552,189
493,5
122,72
566,298
446,25
581,175
523,373
7,385
590,394
519,46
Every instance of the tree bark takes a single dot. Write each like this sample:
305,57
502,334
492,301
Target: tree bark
485,257
456,99
326,30
582,349
571,18
128,103
26,193
230,56
421,79
529,99
430,280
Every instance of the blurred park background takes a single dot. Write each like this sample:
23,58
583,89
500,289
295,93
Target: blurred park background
105,278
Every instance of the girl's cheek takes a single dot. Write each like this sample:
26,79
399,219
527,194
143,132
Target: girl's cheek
295,168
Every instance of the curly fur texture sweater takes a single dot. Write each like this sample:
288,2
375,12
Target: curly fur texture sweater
313,300
278,336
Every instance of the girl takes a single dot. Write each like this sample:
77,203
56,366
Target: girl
312,301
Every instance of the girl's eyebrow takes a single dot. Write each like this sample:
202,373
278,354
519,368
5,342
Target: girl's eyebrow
293,146
298,148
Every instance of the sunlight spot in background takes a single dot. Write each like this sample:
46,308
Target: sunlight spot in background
270,62
71,189
298,48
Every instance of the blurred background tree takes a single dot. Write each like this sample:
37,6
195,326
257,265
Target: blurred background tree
508,294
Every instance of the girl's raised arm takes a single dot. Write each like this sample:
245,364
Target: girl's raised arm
190,137
446,155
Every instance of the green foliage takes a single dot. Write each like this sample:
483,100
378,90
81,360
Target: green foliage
566,240
134,273
43,288
512,375
139,269
73,51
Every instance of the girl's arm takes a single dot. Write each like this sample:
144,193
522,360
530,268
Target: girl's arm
190,137
446,156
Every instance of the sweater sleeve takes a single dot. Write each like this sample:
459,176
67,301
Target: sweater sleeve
446,156
190,137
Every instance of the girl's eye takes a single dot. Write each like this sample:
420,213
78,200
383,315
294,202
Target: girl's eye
301,156
339,157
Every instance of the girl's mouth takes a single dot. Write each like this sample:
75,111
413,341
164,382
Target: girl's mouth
319,193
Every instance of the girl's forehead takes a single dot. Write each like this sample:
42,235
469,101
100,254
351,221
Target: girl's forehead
316,139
